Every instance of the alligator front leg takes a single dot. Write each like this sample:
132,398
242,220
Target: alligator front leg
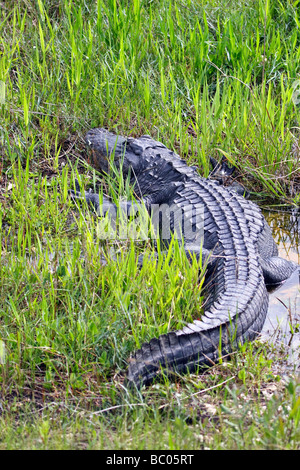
102,205
222,173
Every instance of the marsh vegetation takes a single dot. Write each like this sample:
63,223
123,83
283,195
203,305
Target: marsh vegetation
206,78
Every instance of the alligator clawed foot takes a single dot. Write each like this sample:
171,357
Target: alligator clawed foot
221,170
91,198
223,174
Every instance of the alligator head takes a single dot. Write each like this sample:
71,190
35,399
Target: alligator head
108,149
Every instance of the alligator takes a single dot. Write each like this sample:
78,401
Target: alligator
236,245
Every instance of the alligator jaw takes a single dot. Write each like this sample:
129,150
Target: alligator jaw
103,145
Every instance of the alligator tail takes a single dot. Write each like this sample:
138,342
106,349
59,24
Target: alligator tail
170,354
179,352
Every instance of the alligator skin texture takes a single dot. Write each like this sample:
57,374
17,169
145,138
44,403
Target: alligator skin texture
236,240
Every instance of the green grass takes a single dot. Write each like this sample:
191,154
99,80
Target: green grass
206,78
